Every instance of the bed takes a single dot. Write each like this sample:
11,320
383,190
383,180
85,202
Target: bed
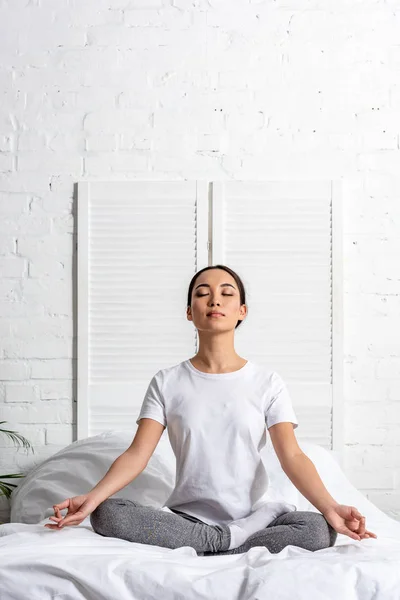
76,563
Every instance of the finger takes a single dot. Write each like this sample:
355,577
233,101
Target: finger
366,536
70,523
57,519
371,534
71,520
361,529
57,513
356,513
62,505
350,533
53,526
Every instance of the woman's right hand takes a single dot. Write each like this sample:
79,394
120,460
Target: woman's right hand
79,507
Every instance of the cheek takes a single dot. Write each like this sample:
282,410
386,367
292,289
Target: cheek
196,304
232,304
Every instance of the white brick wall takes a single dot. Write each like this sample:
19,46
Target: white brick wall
197,89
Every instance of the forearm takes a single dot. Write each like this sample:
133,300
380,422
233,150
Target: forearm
303,474
123,470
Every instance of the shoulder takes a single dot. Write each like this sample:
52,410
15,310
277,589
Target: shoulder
268,380
173,372
265,373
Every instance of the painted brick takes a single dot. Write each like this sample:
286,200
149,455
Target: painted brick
55,390
10,289
101,143
49,347
12,266
7,245
47,267
51,369
14,370
21,393
59,435
39,412
382,479
6,162
13,204
17,309
55,293
58,326
37,226
49,245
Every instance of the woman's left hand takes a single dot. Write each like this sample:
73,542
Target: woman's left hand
348,521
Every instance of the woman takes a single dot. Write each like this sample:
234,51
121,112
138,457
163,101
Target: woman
216,406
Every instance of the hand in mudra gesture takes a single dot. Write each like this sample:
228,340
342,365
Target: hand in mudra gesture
348,521
79,507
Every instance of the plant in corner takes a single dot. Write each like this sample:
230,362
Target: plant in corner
6,489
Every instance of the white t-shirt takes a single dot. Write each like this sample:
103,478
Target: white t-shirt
216,424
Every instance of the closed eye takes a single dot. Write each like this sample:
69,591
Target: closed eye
201,295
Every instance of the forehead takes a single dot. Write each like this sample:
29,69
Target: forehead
217,277
223,284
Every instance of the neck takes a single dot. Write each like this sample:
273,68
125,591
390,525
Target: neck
217,352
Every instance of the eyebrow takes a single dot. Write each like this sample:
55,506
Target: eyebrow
208,285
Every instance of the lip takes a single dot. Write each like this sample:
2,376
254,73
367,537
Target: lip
216,314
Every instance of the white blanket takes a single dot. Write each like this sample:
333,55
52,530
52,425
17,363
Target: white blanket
76,563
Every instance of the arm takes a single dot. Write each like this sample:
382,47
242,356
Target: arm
122,471
131,462
302,472
299,468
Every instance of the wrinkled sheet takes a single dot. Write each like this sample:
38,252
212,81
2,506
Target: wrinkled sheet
76,563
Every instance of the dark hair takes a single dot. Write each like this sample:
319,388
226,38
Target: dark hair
228,270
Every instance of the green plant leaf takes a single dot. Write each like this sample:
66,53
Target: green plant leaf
16,437
6,488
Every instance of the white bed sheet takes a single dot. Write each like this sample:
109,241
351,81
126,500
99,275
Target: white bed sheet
76,563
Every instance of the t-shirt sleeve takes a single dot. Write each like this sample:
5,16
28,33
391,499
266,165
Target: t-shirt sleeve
153,406
279,408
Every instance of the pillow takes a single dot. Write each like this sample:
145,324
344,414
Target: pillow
78,467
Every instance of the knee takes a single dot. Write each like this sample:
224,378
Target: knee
332,534
102,517
106,517
316,534
322,532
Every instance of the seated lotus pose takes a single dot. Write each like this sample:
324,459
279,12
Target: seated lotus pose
217,408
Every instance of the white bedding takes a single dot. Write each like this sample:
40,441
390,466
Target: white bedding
76,563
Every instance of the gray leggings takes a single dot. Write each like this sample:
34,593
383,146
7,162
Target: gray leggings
132,521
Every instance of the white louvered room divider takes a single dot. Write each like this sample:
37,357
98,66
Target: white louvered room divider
139,244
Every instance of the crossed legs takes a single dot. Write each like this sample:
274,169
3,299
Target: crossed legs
132,521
